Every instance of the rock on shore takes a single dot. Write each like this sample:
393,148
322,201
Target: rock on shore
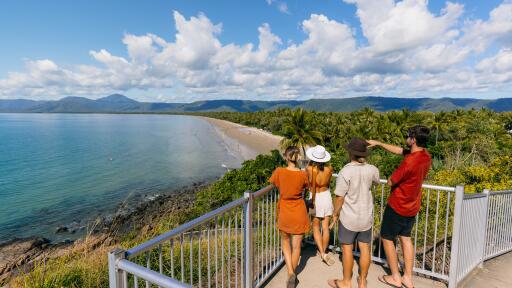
22,254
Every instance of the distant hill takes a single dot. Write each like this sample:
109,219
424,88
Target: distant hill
117,103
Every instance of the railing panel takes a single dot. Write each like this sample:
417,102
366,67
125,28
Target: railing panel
499,224
431,234
266,239
205,252
472,237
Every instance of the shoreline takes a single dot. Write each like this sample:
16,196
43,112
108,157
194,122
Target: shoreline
247,142
20,254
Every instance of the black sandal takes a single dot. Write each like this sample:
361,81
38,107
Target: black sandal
290,283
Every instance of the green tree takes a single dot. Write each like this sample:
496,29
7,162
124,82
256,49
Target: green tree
299,130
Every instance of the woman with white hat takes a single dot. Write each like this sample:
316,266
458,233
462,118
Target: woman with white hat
319,175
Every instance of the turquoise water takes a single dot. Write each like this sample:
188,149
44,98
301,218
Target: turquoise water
67,169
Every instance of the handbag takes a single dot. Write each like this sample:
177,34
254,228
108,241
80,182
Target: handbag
310,203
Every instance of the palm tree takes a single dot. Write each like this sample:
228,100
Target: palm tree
299,130
438,122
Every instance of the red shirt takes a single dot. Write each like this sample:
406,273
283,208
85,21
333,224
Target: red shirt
407,179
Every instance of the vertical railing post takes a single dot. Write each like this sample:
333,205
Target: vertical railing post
457,219
486,225
114,274
248,243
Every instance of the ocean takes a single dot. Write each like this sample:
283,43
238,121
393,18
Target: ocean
68,169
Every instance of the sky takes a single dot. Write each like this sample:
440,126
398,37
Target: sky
185,51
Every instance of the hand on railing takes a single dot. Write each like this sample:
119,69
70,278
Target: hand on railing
333,222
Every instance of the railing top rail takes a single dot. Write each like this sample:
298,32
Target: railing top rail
424,186
137,250
145,273
263,191
475,196
429,186
500,192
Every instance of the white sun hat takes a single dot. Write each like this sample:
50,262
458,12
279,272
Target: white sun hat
318,154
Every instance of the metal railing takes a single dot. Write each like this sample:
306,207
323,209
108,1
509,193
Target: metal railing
485,230
454,233
499,224
431,234
214,250
472,234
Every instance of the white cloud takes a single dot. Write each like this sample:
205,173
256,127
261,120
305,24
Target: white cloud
440,56
409,51
391,26
196,43
140,48
329,47
499,63
480,34
283,7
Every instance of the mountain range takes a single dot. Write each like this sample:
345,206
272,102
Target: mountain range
117,103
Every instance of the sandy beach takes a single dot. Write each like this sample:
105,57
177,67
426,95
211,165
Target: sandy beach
246,142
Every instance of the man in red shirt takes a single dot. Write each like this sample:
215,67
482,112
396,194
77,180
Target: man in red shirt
404,203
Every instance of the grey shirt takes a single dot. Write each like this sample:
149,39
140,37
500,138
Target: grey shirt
354,183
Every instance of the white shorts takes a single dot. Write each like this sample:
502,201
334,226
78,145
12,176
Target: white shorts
323,204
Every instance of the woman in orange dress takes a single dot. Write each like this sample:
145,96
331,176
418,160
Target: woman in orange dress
292,217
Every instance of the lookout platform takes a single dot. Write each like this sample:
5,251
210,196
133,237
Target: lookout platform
313,273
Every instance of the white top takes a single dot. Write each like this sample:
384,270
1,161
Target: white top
354,183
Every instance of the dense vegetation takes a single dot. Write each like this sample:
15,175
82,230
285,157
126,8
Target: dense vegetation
471,147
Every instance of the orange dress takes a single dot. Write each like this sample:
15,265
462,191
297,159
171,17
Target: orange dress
292,213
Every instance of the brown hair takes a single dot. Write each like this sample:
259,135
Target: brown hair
356,158
292,154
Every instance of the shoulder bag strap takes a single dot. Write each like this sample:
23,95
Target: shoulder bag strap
313,184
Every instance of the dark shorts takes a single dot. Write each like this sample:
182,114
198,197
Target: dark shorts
394,225
349,237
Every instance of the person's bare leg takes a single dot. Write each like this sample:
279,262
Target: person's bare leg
392,259
287,252
317,235
364,263
296,241
348,264
325,232
408,250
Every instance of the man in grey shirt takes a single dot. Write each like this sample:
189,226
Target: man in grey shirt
354,200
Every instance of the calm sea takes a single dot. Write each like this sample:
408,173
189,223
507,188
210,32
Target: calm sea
67,169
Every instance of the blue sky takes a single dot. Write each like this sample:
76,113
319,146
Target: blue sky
191,50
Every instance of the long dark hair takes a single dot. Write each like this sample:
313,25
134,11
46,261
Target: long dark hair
320,165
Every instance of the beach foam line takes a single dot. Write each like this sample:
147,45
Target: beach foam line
246,142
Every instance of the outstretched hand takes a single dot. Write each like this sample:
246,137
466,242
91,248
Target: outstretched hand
372,143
